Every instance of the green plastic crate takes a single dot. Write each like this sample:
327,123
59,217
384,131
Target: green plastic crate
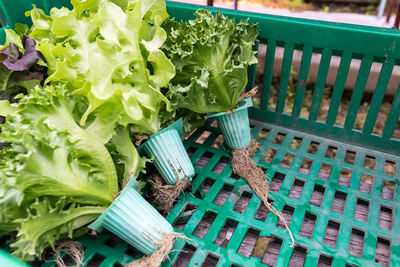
354,219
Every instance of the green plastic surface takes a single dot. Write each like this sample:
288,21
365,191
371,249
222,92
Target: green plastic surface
13,12
193,206
7,260
328,39
350,42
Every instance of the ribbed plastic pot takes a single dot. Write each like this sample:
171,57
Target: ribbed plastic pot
9,261
235,127
134,220
169,154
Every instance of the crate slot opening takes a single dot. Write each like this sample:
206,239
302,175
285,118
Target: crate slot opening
390,167
305,166
269,155
362,210
287,213
203,137
382,253
331,152
223,195
296,142
331,233
249,242
276,182
366,183
131,251
308,225
388,189
287,160
96,260
350,157
313,147
218,141
324,261
279,138
262,211
201,163
112,241
184,216
205,224
298,256
211,260
296,189
185,256
386,218
356,244
369,162
204,188
243,202
339,202
317,195
345,177
262,134
272,251
325,171
221,164
225,235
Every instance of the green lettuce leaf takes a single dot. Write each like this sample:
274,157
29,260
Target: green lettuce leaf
110,53
211,54
55,177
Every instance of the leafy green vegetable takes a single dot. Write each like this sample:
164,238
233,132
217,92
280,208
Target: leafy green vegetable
211,54
55,177
20,62
109,52
69,138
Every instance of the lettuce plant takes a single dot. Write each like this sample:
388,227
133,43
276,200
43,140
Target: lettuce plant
55,177
109,52
211,54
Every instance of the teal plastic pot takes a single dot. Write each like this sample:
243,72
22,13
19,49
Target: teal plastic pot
169,154
134,220
235,127
9,261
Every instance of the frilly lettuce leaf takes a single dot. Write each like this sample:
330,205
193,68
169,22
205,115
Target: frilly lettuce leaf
109,52
211,54
55,177
47,221
127,154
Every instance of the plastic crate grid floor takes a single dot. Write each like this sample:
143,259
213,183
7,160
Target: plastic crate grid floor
342,203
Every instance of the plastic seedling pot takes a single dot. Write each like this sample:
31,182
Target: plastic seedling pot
9,261
235,127
134,220
169,154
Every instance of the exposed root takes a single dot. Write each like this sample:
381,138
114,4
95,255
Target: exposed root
164,248
164,194
244,166
252,92
73,249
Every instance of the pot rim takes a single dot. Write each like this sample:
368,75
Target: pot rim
244,104
177,125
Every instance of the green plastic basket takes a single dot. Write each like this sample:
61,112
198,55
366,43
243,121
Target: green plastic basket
341,211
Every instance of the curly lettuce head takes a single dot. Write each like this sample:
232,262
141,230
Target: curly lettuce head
211,54
109,52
